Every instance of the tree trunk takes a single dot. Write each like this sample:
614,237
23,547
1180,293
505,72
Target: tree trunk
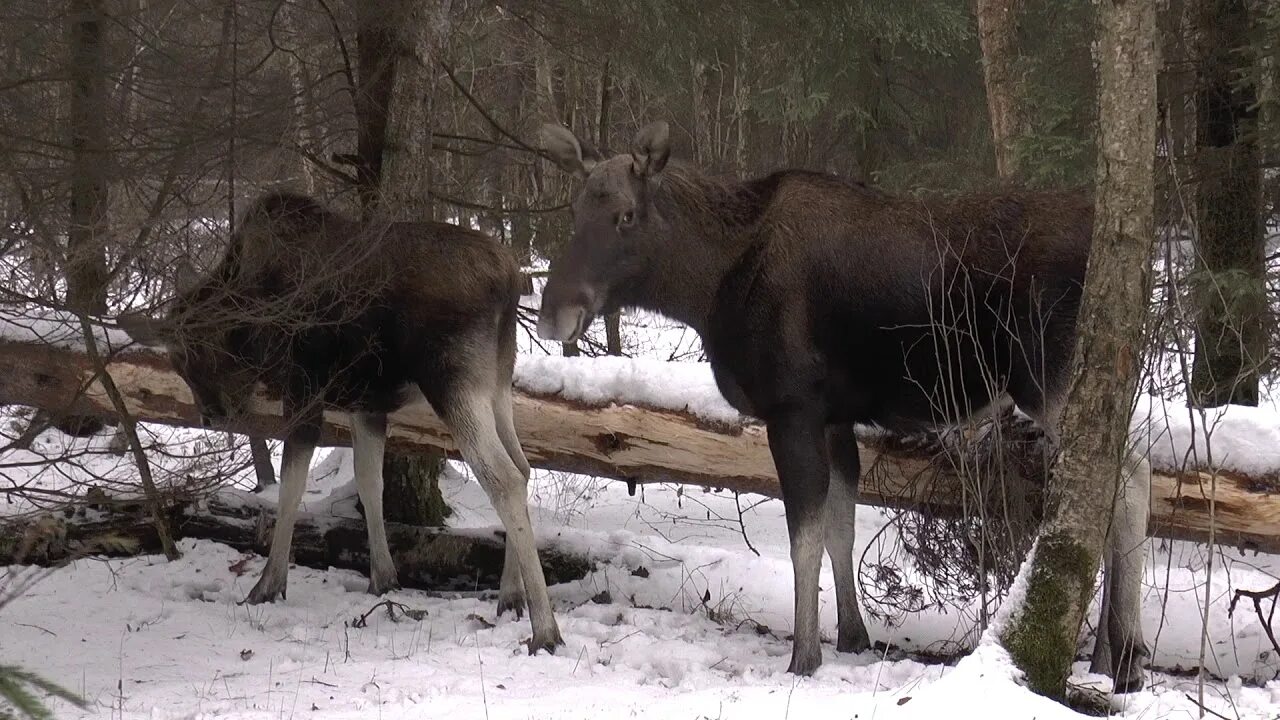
86,268
263,470
1042,637
998,36
613,333
1230,277
698,111
397,45
86,264
411,494
376,50
300,103
1175,91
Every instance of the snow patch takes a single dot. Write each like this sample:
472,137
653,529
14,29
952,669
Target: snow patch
678,386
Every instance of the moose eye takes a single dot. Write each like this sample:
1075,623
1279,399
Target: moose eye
625,218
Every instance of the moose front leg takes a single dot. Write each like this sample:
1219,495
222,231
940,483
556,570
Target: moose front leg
305,421
369,441
797,440
293,481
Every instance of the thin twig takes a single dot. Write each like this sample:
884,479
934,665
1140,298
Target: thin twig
37,627
391,606
347,70
130,427
485,114
1257,596
742,525
1201,705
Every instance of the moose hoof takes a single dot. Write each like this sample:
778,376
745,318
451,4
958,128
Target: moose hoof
805,663
511,602
549,641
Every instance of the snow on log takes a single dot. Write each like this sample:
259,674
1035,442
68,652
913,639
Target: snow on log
647,421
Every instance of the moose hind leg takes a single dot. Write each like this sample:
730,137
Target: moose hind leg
1119,648
840,523
511,595
470,417
293,481
369,441
502,413
797,440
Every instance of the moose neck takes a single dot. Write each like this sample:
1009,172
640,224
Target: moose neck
709,225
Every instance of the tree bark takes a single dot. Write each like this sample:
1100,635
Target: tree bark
1042,637
263,470
613,333
411,492
998,37
398,43
300,102
405,181
376,49
86,264
1230,277
86,269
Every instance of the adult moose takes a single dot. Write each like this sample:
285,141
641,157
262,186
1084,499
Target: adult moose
330,313
821,304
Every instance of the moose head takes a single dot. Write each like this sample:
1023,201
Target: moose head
616,226
203,352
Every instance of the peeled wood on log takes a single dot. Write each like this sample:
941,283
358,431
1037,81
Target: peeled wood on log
625,442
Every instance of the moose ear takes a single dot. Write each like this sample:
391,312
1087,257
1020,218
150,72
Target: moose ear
650,149
145,330
567,151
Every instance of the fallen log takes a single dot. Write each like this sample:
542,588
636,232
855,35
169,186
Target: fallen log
426,558
625,442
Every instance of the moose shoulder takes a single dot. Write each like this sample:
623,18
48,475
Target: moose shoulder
332,313
822,303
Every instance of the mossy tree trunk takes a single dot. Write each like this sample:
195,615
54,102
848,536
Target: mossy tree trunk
1041,637
396,84
411,489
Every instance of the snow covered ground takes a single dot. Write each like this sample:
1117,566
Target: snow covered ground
693,625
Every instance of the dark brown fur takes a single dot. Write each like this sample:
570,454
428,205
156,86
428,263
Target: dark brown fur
318,306
330,313
822,303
